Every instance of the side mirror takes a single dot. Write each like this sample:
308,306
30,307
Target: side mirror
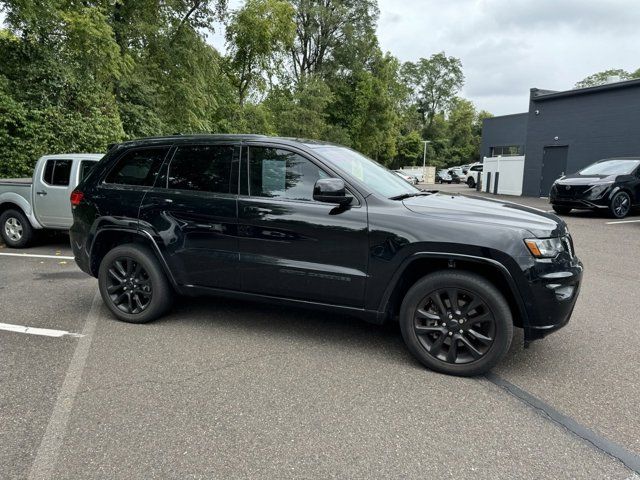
331,190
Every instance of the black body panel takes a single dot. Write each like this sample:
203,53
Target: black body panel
351,258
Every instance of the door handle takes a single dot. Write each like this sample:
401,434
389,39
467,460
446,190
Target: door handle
42,192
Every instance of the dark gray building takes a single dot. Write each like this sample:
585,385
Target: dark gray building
566,131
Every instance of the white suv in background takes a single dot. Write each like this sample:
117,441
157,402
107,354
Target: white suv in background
473,175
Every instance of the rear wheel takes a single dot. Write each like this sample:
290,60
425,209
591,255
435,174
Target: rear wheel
456,323
16,230
620,205
133,285
561,210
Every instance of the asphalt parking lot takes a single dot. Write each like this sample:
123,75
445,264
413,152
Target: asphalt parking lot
226,389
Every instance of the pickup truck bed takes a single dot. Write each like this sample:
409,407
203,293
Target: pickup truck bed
27,205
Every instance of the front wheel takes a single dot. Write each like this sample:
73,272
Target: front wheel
456,323
620,205
471,183
16,229
133,285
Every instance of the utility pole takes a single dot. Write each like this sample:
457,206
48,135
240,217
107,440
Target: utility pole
424,161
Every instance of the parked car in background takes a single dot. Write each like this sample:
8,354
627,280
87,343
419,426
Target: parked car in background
474,174
442,176
612,185
457,175
42,202
319,225
407,178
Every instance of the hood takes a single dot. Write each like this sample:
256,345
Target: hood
483,211
577,179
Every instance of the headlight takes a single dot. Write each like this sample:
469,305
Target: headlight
544,247
598,189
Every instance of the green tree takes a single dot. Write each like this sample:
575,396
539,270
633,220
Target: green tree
435,82
601,78
410,149
257,33
326,26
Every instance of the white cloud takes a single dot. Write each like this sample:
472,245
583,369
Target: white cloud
510,46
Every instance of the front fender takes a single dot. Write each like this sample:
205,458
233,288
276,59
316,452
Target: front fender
499,265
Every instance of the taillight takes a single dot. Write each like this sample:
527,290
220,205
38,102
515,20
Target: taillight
76,197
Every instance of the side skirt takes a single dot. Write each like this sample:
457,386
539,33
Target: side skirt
370,316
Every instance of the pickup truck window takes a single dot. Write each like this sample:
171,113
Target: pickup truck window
202,167
57,172
277,173
138,167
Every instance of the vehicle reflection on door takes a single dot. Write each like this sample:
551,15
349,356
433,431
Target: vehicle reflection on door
301,250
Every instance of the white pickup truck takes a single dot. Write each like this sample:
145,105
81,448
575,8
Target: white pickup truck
27,205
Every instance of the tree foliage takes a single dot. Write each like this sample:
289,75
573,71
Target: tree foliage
600,78
78,75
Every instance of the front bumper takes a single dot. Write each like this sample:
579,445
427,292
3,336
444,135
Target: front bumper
583,199
553,291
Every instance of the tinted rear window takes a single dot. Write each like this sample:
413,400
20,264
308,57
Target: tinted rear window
138,167
57,172
205,168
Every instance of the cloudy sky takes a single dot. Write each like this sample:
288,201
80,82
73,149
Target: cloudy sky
509,46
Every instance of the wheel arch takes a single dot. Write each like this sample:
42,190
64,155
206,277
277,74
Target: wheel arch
13,201
108,238
421,264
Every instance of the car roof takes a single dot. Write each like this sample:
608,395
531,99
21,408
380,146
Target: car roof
619,158
235,137
72,156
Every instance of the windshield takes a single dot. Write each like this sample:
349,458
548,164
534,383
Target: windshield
610,167
379,179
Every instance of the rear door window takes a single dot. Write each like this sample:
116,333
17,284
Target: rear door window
205,168
57,172
138,167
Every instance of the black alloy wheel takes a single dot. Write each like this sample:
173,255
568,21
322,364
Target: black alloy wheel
620,205
133,285
129,286
471,182
456,322
454,325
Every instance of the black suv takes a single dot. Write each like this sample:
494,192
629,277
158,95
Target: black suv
316,224
612,185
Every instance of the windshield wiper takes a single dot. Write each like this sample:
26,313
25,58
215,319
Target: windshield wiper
409,195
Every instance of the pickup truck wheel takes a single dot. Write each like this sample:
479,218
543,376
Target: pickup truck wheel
471,183
16,229
133,285
456,323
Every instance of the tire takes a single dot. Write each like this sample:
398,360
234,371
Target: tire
15,229
487,327
561,210
620,205
471,182
152,289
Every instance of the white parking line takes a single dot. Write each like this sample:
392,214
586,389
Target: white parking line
33,255
46,332
623,221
